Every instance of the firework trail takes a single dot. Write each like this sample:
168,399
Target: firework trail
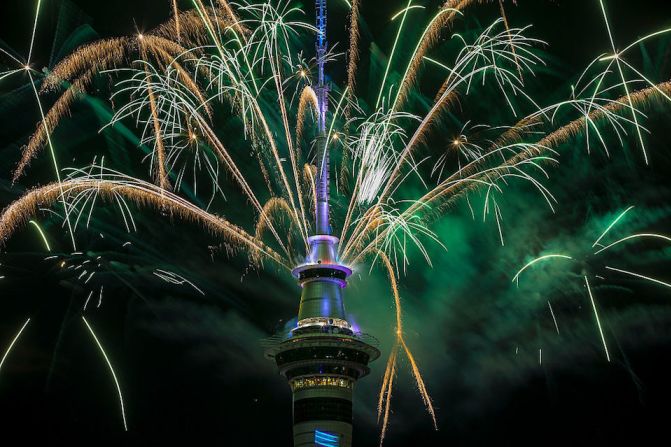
109,365
12,343
353,52
142,193
598,267
384,399
175,11
42,235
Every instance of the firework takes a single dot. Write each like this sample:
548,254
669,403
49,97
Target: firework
239,62
597,266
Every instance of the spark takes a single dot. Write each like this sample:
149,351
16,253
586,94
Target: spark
624,82
612,224
88,298
440,64
516,278
307,101
598,321
330,131
635,236
638,275
391,55
442,18
39,230
175,278
402,11
109,365
53,159
14,58
388,391
161,173
400,342
353,46
553,317
499,218
12,343
175,11
32,38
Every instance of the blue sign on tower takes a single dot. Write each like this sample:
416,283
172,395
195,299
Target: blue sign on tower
326,439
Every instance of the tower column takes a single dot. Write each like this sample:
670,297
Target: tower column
322,357
322,363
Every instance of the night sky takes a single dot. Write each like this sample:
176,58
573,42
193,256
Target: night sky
191,365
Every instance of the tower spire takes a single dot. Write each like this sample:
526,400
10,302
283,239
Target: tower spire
322,225
321,45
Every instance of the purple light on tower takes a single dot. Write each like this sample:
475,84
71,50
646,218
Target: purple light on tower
322,225
322,47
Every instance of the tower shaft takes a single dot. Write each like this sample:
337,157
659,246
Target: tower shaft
321,46
322,357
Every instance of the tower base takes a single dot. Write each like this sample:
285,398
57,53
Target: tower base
322,363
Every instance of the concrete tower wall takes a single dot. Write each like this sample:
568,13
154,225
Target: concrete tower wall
329,410
321,299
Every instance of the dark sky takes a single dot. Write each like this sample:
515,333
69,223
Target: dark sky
191,366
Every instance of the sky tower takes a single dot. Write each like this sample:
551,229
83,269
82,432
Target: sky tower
323,356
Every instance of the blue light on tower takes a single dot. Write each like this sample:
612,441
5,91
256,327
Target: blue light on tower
324,439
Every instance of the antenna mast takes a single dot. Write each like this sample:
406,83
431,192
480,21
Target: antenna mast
322,153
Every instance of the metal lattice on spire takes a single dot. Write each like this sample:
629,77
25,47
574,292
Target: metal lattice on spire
322,225
321,45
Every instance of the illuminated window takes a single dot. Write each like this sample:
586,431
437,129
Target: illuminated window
326,439
310,382
322,369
